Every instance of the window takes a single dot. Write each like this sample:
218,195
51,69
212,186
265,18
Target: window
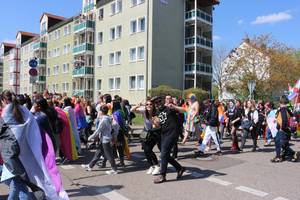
142,24
132,82
140,82
114,83
136,2
58,34
112,34
100,37
55,70
99,84
65,87
68,48
111,58
117,83
49,54
55,35
141,53
132,53
118,57
56,87
101,14
66,68
111,84
119,6
58,52
48,71
65,30
118,31
99,61
133,27
112,8
69,29
50,37
65,49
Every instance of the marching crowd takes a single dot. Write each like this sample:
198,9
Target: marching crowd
45,130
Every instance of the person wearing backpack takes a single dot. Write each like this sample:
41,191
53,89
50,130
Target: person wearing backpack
284,134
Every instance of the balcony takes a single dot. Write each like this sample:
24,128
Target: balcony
201,42
84,25
201,68
88,7
83,48
83,71
201,15
41,61
39,45
41,79
84,93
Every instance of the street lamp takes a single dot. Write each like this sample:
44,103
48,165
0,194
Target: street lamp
251,87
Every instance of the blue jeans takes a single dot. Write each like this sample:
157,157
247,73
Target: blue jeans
278,144
17,190
268,134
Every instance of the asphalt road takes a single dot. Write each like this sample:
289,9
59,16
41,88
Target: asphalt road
248,176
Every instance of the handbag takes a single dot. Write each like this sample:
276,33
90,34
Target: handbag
246,124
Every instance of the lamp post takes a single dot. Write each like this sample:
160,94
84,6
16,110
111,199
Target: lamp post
251,87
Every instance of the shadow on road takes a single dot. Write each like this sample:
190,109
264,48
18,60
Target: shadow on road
90,190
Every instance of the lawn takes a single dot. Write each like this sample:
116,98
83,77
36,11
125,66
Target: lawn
138,121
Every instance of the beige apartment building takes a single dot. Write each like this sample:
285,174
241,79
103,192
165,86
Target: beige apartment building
121,47
142,44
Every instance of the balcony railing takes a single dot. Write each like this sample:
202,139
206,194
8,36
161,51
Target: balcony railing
84,25
83,48
202,41
190,15
41,78
88,7
83,71
84,93
201,67
39,45
42,61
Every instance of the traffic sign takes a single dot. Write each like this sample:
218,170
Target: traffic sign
33,63
33,72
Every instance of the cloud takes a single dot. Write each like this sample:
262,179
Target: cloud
240,22
216,38
272,18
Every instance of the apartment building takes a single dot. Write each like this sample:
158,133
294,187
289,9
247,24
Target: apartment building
60,57
122,47
11,58
142,44
26,41
83,51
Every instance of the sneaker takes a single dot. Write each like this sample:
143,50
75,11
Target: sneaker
150,170
156,170
86,167
295,157
159,179
111,172
199,153
121,164
276,160
180,172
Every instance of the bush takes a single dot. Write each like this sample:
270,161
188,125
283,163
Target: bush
200,94
165,90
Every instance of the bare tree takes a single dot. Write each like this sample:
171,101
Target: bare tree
220,76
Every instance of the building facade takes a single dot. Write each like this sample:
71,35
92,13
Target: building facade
123,47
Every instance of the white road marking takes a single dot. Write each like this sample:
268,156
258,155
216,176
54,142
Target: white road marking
67,167
281,198
252,191
218,181
111,194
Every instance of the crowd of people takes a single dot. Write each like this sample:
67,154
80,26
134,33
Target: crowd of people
45,130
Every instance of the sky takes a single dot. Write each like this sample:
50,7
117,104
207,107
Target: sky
233,19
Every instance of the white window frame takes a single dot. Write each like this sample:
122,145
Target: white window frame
114,84
118,7
112,36
99,61
135,83
138,2
139,26
111,60
138,53
117,89
97,85
98,37
134,60
120,57
113,12
131,27
118,31
100,15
